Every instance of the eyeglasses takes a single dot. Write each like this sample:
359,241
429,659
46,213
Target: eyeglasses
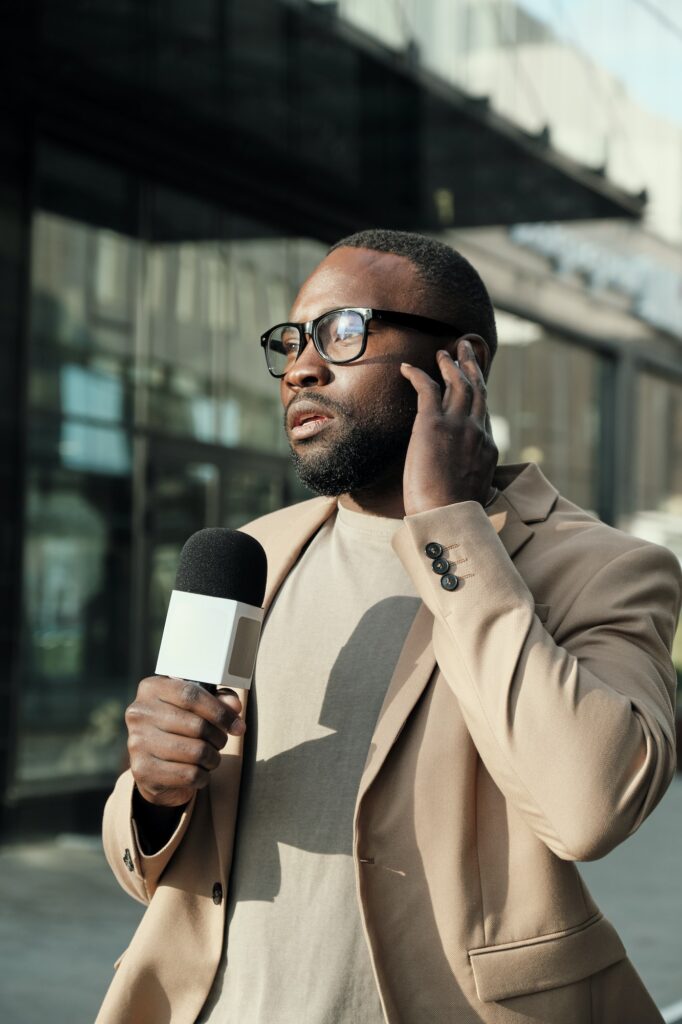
340,336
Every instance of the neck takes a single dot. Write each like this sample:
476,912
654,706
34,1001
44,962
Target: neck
377,500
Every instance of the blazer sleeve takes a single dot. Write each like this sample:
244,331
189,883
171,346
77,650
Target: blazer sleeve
576,729
136,872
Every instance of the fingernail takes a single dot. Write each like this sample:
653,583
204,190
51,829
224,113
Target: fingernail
408,365
238,727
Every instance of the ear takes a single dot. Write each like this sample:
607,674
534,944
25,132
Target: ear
480,347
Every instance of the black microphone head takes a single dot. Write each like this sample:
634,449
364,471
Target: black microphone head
225,563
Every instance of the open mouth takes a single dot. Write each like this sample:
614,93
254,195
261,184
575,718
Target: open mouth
307,420
309,425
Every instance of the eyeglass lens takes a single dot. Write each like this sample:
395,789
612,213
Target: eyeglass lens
339,337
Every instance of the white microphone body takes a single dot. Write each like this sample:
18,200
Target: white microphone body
210,640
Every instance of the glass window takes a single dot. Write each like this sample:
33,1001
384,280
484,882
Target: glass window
658,479
205,304
658,473
82,329
76,619
151,415
546,404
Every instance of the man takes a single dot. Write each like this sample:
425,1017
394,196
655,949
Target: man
463,687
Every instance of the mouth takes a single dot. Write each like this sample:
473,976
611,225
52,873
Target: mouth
306,420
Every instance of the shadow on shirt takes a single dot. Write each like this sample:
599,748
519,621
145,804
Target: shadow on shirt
305,796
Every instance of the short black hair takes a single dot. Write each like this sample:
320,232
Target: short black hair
459,293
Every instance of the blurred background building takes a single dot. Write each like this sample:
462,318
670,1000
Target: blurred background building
171,171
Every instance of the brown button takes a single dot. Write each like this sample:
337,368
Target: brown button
128,860
217,894
440,566
433,549
449,581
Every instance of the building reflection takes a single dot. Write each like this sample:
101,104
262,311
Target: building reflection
168,180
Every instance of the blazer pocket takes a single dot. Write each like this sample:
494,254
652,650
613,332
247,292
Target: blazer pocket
545,962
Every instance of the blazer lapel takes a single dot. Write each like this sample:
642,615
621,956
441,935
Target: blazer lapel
511,529
413,671
284,536
298,524
417,660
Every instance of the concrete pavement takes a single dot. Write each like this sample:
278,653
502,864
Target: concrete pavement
63,919
63,922
639,888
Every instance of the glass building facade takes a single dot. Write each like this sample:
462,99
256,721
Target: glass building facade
136,406
149,414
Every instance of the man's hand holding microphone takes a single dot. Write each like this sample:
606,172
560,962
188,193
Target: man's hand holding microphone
177,727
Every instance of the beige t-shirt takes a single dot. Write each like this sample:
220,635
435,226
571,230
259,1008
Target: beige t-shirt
295,952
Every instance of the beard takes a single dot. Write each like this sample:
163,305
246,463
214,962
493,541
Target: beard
361,453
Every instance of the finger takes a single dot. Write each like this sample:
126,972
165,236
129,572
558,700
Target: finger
167,747
156,776
458,393
171,719
474,374
192,697
232,702
429,398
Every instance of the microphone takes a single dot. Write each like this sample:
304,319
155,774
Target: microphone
214,616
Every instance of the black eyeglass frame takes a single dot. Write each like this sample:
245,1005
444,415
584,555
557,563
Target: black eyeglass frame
425,324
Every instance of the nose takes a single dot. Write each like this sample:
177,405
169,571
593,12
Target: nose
310,369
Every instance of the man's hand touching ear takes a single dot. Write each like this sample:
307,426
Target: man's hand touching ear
451,456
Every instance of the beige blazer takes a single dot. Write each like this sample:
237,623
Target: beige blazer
528,725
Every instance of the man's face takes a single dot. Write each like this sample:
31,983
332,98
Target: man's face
360,414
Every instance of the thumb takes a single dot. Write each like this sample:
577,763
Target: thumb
230,699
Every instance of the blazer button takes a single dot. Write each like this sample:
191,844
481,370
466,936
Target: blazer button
128,860
440,566
449,581
217,894
433,549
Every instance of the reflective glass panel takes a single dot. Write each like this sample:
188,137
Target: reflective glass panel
76,631
658,473
546,398
151,415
